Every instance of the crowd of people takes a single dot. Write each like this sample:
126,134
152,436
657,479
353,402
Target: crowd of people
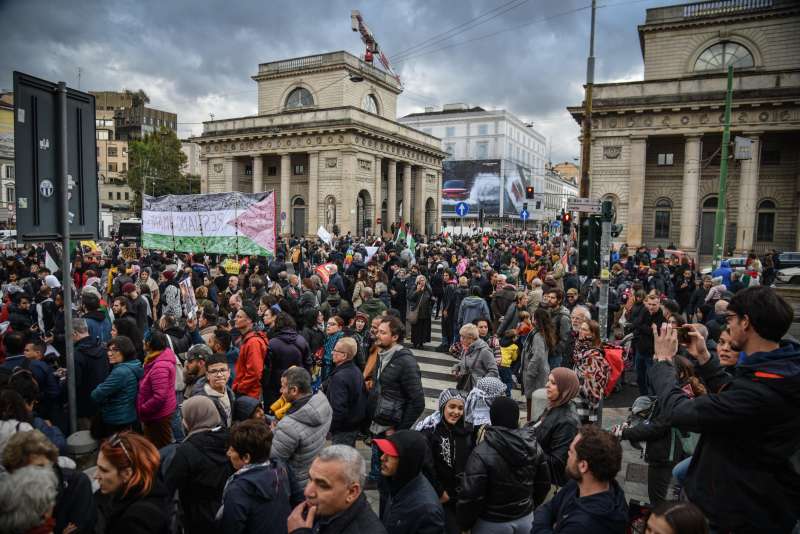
271,394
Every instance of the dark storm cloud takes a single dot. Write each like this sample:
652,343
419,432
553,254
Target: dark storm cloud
196,58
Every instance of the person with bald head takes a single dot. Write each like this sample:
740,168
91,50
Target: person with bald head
346,394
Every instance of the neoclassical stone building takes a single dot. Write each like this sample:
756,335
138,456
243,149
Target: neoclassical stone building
655,143
326,140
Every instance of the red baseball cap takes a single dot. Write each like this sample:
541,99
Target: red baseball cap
386,447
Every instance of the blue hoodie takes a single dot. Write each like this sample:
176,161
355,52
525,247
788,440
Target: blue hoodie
568,512
723,271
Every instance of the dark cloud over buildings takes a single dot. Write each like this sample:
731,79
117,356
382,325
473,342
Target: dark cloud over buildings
196,58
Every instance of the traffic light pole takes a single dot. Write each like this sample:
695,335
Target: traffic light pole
722,203
605,258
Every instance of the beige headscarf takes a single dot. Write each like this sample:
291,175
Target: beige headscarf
568,386
199,413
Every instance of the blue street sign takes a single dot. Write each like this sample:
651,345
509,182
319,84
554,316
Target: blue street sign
523,215
555,224
462,208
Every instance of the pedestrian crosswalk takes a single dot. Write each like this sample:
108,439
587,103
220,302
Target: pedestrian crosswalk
435,367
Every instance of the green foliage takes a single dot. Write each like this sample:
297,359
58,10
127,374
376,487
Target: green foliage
156,160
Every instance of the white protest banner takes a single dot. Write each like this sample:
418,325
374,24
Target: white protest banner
325,235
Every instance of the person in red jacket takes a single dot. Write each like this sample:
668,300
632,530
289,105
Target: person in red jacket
252,354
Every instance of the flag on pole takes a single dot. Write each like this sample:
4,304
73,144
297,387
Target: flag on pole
52,257
401,236
411,243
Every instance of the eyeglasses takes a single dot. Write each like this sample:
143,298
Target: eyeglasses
729,316
116,441
218,371
333,323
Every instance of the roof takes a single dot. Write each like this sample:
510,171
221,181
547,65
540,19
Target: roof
445,112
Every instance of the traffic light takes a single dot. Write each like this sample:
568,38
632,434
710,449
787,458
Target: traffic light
525,206
616,230
566,222
529,192
589,247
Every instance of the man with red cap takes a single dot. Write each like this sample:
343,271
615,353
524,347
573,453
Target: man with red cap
409,504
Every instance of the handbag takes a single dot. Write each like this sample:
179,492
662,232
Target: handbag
466,381
413,316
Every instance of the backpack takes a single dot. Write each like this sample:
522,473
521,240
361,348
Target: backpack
642,411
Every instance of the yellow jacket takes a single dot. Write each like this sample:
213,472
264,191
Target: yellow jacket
508,355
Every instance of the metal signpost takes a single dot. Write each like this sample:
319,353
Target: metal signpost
584,205
462,208
56,180
524,216
605,266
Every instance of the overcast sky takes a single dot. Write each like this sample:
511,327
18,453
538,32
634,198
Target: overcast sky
196,58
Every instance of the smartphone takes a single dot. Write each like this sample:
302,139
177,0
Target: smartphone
683,334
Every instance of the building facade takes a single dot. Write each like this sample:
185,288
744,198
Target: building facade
192,151
656,143
558,188
474,139
112,165
7,185
326,140
132,119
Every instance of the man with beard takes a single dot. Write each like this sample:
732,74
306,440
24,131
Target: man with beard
592,501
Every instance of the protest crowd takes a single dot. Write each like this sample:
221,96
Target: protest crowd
252,394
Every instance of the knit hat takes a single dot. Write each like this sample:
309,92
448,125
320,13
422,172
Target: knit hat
169,275
251,312
567,383
504,412
128,288
199,413
243,408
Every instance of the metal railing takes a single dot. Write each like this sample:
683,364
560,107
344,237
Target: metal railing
724,7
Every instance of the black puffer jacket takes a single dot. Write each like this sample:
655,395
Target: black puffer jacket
198,472
91,369
347,397
286,348
661,447
135,514
556,431
399,399
504,477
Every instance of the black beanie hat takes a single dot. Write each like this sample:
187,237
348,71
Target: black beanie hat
504,412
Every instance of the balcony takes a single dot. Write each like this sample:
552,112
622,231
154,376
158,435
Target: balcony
712,8
280,68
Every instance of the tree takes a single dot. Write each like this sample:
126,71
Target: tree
155,162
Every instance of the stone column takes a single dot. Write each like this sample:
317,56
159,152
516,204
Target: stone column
283,206
258,173
407,193
377,196
689,198
748,198
203,176
347,220
313,193
230,170
419,200
438,201
391,195
636,192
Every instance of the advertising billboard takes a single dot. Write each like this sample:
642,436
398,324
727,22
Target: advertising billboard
484,184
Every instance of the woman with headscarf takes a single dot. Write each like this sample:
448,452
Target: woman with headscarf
559,423
451,441
476,408
199,468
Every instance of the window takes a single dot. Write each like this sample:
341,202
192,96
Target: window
666,158
110,195
10,194
119,196
299,98
720,55
770,156
482,150
124,166
450,131
663,212
450,148
112,152
127,196
483,129
102,135
299,169
9,172
112,166
248,170
765,229
370,104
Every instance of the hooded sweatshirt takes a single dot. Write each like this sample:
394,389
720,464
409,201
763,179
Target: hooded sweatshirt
472,308
602,513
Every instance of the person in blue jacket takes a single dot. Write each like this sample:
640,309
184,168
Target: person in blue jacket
116,395
723,271
592,501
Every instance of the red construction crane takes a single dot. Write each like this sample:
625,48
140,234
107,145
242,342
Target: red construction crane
358,25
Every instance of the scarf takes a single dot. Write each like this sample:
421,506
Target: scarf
476,408
151,356
567,382
436,417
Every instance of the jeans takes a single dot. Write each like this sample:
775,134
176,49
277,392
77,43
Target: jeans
643,363
520,525
375,464
177,419
344,438
681,470
506,376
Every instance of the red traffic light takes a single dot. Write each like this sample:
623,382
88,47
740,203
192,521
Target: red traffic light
567,217
529,192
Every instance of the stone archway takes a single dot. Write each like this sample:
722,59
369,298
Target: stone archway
384,217
430,217
707,220
363,212
299,217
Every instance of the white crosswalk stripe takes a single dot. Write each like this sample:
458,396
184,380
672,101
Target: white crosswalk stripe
436,366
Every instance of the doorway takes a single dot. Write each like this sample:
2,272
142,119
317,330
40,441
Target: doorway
707,222
299,217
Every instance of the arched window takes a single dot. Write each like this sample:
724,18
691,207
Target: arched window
765,229
710,203
718,56
299,98
370,104
663,215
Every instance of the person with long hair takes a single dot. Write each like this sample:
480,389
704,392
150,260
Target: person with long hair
593,372
156,401
535,351
127,473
